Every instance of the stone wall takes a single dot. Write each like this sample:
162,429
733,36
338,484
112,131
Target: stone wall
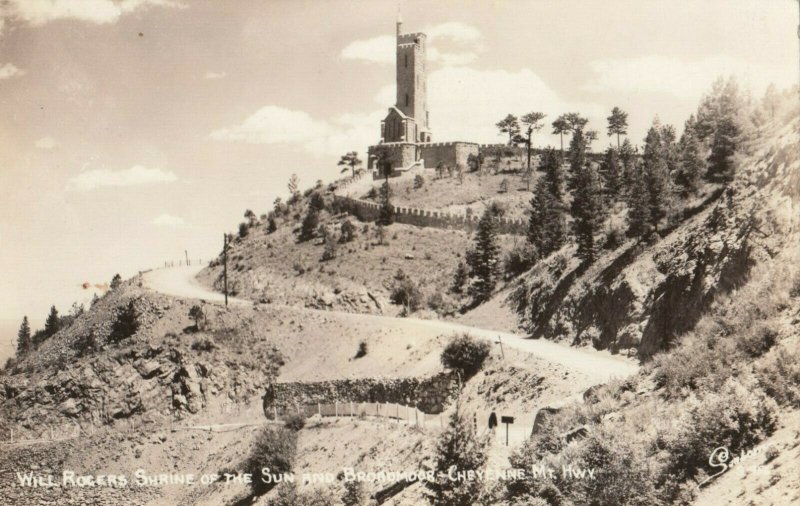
368,211
450,154
400,154
430,394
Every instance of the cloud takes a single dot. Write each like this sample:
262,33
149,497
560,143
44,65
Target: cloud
375,50
135,176
46,143
168,221
681,77
273,125
40,12
381,49
10,70
214,75
455,31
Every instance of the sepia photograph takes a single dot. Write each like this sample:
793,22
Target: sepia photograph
399,252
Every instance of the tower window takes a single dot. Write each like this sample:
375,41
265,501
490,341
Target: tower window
405,58
406,99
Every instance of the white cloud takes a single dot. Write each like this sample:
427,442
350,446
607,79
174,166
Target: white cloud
274,125
381,49
214,75
39,12
46,143
455,31
136,175
169,221
10,70
376,50
681,77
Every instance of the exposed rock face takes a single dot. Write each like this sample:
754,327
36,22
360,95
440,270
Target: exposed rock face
644,295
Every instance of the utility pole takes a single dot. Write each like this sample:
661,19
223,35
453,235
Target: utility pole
500,342
225,265
186,254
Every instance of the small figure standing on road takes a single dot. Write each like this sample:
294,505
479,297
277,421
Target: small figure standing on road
492,421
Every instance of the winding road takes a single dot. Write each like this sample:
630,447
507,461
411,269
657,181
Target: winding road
601,366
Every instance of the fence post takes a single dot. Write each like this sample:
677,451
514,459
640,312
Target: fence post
275,409
351,410
319,410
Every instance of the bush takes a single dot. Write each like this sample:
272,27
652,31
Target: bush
362,349
519,259
419,181
274,449
310,224
779,375
348,232
295,421
466,354
758,340
406,293
243,230
204,345
126,324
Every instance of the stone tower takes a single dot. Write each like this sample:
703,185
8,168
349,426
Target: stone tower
411,86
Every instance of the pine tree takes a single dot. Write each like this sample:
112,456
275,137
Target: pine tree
554,174
692,164
627,157
610,170
723,147
588,211
617,123
116,281
271,225
547,223
310,224
638,204
386,212
24,343
460,448
484,262
656,175
459,279
577,156
52,324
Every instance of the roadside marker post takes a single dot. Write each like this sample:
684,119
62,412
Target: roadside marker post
508,420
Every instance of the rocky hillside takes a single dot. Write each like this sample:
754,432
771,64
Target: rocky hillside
642,295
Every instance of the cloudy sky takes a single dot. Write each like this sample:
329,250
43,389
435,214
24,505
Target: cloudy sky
131,130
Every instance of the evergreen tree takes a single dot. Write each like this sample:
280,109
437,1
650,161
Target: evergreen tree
116,281
547,224
610,170
532,124
509,126
484,262
692,164
656,174
577,156
310,224
460,448
459,279
561,127
627,157
638,204
617,124
723,147
588,211
271,225
24,343
52,324
350,161
554,174
386,212
718,122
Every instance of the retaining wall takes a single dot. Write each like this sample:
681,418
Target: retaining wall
368,211
430,394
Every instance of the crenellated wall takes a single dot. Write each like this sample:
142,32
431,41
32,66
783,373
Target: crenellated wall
368,211
449,154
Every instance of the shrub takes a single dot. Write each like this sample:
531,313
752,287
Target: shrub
504,186
466,354
243,230
419,181
295,421
316,201
204,345
126,324
406,294
519,259
779,375
271,225
355,494
196,313
116,281
329,253
310,224
362,349
274,449
348,232
758,340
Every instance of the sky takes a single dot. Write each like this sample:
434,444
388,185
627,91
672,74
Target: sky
134,130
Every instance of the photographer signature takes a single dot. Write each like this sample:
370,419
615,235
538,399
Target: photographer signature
720,459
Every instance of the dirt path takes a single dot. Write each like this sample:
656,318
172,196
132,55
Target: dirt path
181,282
